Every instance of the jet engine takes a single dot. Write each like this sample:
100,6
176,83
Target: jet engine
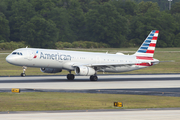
83,70
50,70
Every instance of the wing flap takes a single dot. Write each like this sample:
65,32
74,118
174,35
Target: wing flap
110,64
105,64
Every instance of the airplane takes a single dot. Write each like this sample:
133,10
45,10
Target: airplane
85,63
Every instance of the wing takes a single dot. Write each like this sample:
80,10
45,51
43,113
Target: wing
101,66
110,64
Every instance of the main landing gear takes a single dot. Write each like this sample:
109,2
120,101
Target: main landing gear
24,69
70,76
93,78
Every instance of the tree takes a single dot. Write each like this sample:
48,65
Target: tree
168,27
21,12
4,28
106,25
143,7
4,23
175,8
43,7
76,20
3,6
147,19
115,22
39,32
85,5
61,17
126,7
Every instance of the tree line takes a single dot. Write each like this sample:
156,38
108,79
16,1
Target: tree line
112,23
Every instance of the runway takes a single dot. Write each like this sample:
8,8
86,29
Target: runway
146,84
131,114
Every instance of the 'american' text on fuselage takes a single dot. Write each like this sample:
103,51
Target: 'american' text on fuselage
55,56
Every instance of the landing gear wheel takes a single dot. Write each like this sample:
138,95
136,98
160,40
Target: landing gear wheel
70,77
24,69
23,74
93,78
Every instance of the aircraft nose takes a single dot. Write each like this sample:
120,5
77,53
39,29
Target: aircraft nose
9,59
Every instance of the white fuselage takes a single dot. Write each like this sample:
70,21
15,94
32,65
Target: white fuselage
62,59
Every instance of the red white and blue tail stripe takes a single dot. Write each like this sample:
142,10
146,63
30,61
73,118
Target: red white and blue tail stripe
146,51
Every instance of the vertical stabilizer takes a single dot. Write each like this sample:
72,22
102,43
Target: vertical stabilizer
146,50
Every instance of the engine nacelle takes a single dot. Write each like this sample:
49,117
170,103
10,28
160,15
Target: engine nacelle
50,70
83,70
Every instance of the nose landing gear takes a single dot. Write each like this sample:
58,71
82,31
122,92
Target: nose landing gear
24,69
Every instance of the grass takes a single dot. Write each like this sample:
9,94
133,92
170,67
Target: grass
163,54
40,101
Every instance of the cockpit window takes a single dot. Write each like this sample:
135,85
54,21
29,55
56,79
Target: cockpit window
14,53
17,53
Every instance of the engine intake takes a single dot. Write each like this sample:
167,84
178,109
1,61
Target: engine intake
85,71
50,70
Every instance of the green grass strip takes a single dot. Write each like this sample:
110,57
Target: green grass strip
40,101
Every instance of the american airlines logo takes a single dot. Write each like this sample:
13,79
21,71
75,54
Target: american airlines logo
35,56
55,56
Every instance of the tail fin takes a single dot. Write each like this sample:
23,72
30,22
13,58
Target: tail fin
146,50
